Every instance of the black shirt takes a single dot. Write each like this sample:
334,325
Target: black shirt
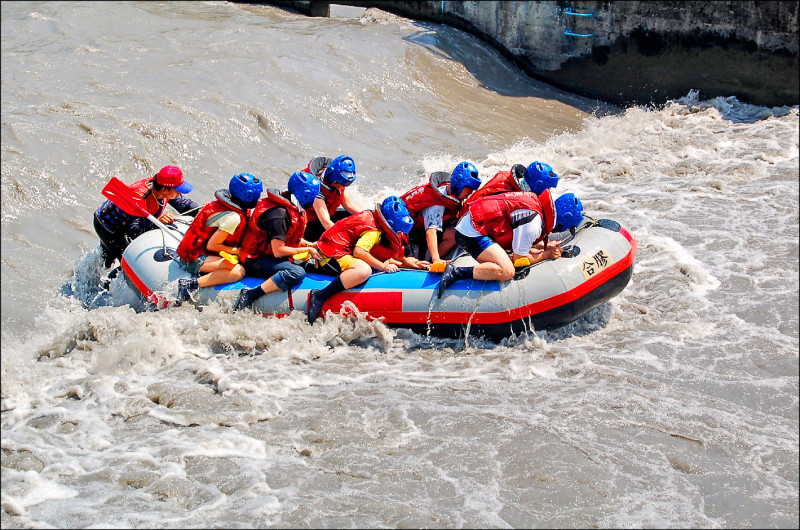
275,222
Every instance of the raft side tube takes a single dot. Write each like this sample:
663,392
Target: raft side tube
552,293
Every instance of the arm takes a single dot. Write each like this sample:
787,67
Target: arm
183,205
281,250
536,255
540,244
349,205
275,224
366,242
433,217
322,213
432,239
410,262
215,244
374,262
166,218
528,231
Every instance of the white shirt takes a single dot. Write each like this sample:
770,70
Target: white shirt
433,216
226,221
527,229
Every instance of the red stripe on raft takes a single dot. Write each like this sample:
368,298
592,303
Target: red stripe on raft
501,317
388,306
150,295
366,302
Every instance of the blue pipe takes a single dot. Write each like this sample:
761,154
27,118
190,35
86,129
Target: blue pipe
571,34
569,11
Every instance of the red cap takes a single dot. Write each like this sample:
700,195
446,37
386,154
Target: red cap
172,177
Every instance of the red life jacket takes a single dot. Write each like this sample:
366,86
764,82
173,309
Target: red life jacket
491,216
420,197
383,252
502,182
255,243
194,242
144,188
548,212
340,239
333,197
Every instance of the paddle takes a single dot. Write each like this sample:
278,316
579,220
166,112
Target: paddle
120,194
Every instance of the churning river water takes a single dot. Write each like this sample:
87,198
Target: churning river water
673,405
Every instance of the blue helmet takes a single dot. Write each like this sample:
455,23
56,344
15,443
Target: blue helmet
342,170
305,187
464,175
246,188
396,213
569,212
540,176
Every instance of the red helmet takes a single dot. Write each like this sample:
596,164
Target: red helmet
172,177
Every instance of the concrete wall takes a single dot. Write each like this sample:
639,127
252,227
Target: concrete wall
629,52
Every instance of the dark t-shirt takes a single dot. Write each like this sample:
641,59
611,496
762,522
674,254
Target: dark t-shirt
275,222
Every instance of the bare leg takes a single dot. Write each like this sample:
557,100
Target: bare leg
356,274
268,286
494,264
219,271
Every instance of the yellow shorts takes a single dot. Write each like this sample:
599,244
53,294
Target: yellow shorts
345,262
366,241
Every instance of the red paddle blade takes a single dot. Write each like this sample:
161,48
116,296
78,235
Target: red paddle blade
120,194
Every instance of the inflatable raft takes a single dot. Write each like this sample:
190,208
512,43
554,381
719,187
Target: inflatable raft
596,265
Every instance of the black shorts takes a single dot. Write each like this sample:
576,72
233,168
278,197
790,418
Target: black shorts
474,245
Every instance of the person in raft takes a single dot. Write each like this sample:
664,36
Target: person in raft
275,233
335,175
514,222
116,229
218,228
435,205
351,241
536,178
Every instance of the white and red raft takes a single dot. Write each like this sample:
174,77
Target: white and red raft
596,265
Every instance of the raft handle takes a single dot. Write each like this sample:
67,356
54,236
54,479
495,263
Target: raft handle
607,224
165,254
522,273
570,251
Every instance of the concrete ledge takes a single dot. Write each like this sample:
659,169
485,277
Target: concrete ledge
629,52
